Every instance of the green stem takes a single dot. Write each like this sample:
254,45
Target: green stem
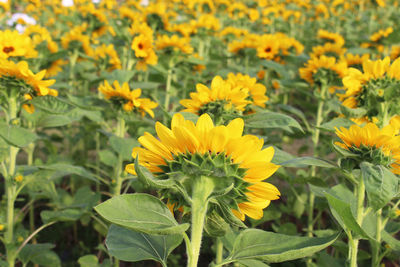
359,218
219,251
202,188
10,189
315,139
118,171
376,245
168,85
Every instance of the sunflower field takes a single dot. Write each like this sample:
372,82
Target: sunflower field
242,133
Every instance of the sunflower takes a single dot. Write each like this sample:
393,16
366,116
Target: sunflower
108,53
328,49
268,47
371,144
220,99
323,68
376,37
76,37
18,75
355,61
143,47
122,95
14,44
373,88
175,42
334,37
202,142
256,90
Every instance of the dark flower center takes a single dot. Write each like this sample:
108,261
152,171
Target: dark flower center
8,49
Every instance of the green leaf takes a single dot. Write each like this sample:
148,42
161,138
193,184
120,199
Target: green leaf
140,212
50,120
276,67
148,179
281,156
391,241
146,85
302,162
271,247
69,169
131,246
67,215
336,122
51,104
16,136
120,75
123,146
88,261
253,263
108,158
267,120
341,210
40,254
380,183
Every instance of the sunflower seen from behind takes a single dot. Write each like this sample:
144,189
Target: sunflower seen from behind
235,162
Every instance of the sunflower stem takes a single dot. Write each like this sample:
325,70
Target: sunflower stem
219,251
202,188
118,171
360,192
10,189
168,85
376,245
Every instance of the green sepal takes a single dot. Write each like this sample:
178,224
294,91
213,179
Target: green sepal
215,225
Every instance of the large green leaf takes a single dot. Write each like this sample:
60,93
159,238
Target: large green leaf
128,245
272,247
141,212
380,183
70,169
16,136
88,261
67,215
51,104
341,210
391,241
268,120
40,254
336,122
123,146
53,120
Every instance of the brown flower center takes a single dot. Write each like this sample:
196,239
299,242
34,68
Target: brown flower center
267,50
140,46
8,49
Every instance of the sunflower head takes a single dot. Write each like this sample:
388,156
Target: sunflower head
375,89
323,70
18,81
235,164
123,97
223,101
370,144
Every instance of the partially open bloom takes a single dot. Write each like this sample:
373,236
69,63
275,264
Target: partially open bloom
221,152
122,95
371,144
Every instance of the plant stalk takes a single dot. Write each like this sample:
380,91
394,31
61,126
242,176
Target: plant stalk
118,171
359,218
202,188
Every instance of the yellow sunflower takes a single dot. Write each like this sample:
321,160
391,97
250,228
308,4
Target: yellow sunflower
361,88
334,37
379,146
220,98
310,72
14,44
328,49
205,141
143,47
108,52
175,42
256,90
19,75
122,95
